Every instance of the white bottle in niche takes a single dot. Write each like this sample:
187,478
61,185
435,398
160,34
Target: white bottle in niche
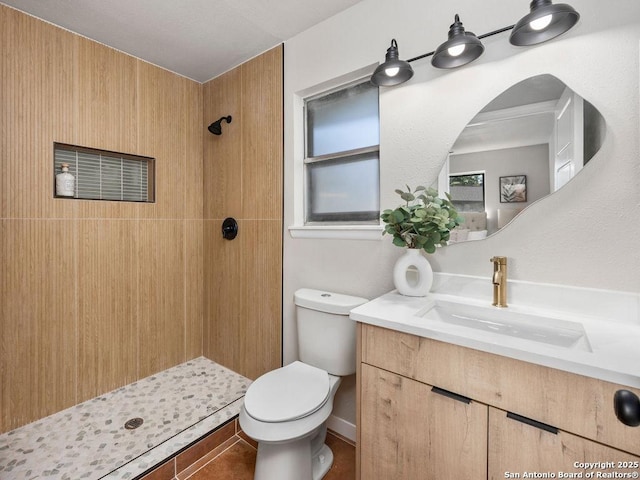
65,183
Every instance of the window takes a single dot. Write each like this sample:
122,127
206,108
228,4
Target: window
467,192
342,174
104,175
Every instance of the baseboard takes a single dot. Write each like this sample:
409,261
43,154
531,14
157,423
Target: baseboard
342,427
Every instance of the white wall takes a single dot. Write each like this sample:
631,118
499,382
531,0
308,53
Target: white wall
568,238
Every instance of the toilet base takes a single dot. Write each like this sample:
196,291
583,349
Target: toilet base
308,458
321,464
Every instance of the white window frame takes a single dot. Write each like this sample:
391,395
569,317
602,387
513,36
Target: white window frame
353,231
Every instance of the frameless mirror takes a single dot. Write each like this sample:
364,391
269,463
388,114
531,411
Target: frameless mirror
524,145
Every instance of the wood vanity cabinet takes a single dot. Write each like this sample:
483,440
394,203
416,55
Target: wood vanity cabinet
409,430
488,417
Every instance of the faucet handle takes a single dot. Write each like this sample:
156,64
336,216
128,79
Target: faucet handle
499,260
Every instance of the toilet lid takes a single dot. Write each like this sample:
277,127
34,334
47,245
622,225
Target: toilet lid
287,393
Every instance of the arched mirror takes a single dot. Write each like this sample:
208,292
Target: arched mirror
524,145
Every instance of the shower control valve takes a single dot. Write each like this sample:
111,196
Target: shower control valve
229,228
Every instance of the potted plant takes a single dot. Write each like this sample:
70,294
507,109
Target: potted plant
422,223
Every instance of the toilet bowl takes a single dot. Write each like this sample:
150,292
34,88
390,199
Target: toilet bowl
286,410
291,436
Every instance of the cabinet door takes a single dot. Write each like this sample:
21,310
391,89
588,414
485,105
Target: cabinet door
516,447
410,432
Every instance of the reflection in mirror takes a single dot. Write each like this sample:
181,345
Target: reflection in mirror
525,144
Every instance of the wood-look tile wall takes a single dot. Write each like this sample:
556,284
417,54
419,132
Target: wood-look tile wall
93,295
243,179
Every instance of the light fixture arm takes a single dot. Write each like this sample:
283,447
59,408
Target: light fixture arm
392,51
480,37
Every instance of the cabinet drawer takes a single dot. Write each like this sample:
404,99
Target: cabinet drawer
411,431
516,447
577,404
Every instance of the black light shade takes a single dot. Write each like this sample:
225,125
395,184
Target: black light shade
393,71
216,127
544,22
461,48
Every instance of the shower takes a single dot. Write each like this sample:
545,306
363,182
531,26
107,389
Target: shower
216,127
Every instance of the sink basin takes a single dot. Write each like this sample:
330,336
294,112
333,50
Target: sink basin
538,328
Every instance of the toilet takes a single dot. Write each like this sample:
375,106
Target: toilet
286,410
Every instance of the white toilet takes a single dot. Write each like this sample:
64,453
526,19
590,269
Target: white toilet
285,410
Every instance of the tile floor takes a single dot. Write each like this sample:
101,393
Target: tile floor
238,460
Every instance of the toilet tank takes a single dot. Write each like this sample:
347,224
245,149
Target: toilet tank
326,334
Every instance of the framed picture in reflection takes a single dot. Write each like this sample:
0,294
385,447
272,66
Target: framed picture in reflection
513,189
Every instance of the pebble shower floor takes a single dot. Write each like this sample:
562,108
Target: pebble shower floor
90,441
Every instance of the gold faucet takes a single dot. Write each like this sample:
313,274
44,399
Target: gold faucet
499,281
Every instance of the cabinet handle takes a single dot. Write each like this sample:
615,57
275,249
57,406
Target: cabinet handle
533,423
627,407
447,393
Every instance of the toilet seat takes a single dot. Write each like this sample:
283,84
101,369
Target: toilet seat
287,393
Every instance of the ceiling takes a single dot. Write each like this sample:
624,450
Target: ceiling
520,116
199,39
538,89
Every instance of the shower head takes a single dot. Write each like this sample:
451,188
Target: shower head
216,128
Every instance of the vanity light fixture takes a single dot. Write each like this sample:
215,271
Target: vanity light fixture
461,48
393,71
544,22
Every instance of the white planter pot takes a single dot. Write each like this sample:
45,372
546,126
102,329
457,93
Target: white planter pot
412,274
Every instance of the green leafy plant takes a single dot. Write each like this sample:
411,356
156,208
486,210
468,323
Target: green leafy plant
423,222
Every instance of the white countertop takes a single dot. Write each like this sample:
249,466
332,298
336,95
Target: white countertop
615,342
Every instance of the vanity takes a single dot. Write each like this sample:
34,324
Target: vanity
445,393
451,387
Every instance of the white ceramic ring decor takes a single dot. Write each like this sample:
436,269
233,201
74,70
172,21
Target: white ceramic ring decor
418,281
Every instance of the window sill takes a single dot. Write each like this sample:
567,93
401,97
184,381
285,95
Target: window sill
338,232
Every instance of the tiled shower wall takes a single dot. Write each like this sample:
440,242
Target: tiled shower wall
243,172
93,295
